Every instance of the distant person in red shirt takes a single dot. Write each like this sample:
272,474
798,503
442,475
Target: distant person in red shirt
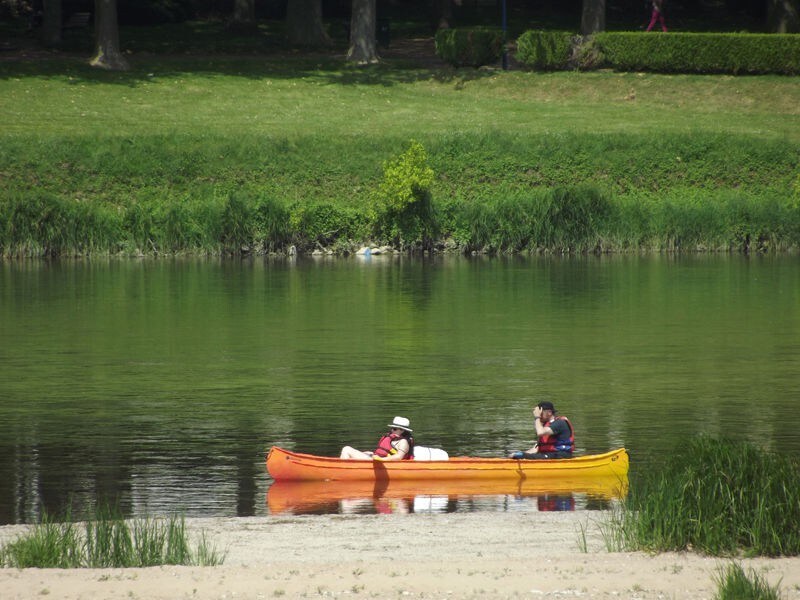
657,15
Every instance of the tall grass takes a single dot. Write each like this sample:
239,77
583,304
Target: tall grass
734,584
49,545
108,541
46,224
565,219
718,497
561,219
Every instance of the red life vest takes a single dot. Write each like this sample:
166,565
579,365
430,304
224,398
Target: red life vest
549,443
386,446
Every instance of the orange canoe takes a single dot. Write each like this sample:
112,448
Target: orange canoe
284,465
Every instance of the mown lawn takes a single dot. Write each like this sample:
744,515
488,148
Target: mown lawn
293,97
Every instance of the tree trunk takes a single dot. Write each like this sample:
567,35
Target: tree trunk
593,17
304,23
244,16
106,35
783,16
363,46
51,23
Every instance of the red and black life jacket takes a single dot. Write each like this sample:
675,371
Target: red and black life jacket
549,443
386,446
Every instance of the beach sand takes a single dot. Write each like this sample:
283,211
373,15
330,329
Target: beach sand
459,555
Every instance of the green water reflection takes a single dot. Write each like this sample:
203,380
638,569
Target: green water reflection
162,382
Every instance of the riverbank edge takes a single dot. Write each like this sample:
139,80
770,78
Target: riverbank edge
464,555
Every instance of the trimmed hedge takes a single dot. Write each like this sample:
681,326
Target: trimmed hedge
701,52
469,47
545,50
735,53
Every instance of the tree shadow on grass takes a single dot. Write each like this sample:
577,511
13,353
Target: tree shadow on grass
208,48
323,69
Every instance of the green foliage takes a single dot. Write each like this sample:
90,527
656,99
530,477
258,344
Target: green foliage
108,541
322,223
673,53
469,47
587,53
734,584
176,225
686,219
561,219
718,497
545,50
237,224
701,52
45,224
407,179
574,217
504,219
271,224
403,209
49,545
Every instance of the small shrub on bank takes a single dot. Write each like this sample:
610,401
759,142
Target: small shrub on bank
718,497
403,210
318,224
545,50
469,47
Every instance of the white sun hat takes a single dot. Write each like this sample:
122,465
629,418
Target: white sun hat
401,423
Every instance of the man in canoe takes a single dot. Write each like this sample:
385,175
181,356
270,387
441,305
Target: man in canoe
395,445
556,438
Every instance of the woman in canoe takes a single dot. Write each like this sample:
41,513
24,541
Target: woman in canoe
395,445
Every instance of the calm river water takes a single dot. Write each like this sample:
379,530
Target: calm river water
161,383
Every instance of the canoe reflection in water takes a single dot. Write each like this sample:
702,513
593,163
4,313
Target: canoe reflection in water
384,497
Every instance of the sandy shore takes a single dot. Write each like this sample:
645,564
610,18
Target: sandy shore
462,555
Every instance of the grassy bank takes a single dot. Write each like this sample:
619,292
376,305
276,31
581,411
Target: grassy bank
220,154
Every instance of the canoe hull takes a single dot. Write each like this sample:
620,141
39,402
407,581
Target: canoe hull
284,465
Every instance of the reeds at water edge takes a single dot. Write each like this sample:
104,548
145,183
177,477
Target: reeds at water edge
108,540
717,497
575,219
